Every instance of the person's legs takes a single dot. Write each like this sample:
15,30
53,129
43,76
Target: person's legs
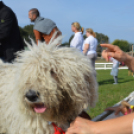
92,57
115,79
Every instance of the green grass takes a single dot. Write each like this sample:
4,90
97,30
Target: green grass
101,60
110,94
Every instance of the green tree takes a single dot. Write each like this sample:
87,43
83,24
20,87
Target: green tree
70,39
65,44
101,39
123,44
27,32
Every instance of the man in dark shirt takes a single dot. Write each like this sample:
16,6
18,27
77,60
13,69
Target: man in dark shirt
10,39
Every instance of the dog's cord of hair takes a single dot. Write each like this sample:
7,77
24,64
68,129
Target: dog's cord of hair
37,124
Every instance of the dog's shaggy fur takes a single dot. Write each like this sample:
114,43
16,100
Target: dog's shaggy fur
62,77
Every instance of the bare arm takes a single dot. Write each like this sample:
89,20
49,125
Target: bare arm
37,35
117,53
121,125
86,47
129,62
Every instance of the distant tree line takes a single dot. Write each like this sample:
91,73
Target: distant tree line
27,32
123,44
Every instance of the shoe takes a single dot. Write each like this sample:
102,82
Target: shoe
115,83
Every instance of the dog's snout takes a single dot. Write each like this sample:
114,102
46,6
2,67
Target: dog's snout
32,95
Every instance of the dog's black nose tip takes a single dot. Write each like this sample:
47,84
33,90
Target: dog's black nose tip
32,95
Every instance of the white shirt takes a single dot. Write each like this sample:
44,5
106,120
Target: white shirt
92,44
77,41
115,62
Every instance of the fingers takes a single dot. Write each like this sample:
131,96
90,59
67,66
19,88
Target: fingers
75,121
111,47
78,122
81,126
104,55
110,109
111,54
74,126
117,111
73,130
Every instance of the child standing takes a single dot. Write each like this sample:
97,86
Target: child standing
114,71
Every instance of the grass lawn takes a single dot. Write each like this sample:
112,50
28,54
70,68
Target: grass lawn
110,94
100,61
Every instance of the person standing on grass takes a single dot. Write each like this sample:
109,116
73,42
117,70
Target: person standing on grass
114,71
77,40
44,29
90,45
120,125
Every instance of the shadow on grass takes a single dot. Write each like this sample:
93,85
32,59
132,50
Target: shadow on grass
111,81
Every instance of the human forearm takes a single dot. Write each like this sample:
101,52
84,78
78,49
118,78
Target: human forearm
122,125
37,35
86,47
85,51
129,62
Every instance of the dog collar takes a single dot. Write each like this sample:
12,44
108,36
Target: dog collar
57,130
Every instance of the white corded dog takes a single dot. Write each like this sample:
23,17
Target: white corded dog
45,83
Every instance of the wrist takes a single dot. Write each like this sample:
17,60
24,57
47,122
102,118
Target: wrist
95,128
99,127
128,60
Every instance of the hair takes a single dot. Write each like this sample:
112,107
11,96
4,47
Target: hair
35,11
78,26
89,30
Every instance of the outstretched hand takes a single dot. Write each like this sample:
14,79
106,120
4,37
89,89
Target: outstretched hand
113,51
117,109
81,126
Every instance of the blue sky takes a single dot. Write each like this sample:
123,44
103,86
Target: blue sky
114,18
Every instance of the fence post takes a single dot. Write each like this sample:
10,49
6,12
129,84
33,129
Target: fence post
105,66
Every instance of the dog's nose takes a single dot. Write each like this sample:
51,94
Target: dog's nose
32,95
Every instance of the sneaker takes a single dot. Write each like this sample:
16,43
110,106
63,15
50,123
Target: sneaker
115,83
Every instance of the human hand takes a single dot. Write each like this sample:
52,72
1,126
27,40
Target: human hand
113,51
81,126
118,109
